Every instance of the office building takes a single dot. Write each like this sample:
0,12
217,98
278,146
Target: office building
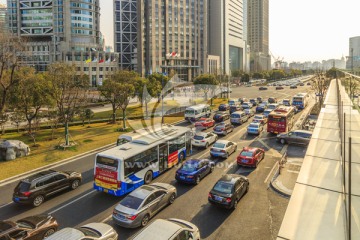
258,35
172,37
60,30
125,37
3,16
353,60
227,34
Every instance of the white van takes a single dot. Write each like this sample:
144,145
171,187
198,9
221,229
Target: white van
233,102
169,229
198,111
238,117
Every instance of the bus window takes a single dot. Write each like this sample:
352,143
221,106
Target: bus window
140,161
176,144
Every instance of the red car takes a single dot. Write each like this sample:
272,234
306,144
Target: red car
250,156
204,123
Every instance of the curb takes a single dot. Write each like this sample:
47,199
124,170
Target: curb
61,162
279,191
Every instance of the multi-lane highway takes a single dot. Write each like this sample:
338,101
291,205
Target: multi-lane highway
258,216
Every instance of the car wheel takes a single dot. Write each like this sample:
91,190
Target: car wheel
197,180
256,164
235,204
212,168
148,177
263,156
48,232
206,145
282,141
225,133
172,198
226,155
145,220
247,188
75,184
38,200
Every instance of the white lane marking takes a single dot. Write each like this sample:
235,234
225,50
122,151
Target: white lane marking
229,167
107,219
69,203
7,204
268,176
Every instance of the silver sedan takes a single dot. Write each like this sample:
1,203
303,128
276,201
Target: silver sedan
139,206
223,148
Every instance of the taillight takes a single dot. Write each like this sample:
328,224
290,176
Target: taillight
114,212
210,195
132,217
228,200
26,194
203,140
222,129
223,151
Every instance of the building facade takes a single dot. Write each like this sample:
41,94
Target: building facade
60,30
258,35
3,17
353,60
125,32
172,37
226,34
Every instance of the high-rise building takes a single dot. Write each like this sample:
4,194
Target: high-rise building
172,37
62,31
227,33
3,16
258,35
353,60
125,37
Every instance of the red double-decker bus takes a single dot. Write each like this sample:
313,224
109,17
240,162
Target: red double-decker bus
281,120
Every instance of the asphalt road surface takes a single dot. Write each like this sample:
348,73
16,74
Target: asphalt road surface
258,215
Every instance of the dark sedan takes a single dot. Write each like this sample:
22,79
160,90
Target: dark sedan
221,116
295,137
224,107
192,171
34,189
279,88
235,108
263,88
35,228
246,105
261,107
228,190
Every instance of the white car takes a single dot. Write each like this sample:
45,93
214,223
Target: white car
223,148
203,139
249,112
255,128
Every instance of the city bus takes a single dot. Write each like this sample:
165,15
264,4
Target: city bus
281,120
300,100
196,112
122,169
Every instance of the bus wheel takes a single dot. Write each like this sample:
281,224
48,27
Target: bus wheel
148,177
181,157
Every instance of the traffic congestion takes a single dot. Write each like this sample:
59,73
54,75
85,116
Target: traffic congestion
150,169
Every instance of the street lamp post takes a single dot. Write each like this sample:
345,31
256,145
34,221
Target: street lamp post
228,82
162,100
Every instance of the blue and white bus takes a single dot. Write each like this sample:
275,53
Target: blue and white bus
300,100
122,169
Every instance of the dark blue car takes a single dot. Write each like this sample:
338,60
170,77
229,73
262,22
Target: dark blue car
261,107
192,171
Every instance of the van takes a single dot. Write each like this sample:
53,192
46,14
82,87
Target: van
196,112
169,229
238,117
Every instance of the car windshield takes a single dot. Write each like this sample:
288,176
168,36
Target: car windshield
258,117
246,154
254,125
25,224
188,167
24,186
90,232
223,187
235,116
219,145
131,202
197,137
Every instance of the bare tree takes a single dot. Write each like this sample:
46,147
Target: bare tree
320,85
68,90
11,51
16,118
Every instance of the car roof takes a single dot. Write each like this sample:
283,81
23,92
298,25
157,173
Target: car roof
194,161
39,175
250,149
202,134
255,123
143,191
67,233
222,141
231,178
238,112
160,229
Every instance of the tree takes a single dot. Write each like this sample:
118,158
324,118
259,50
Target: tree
4,117
11,50
162,80
236,73
320,85
258,75
30,94
139,85
334,73
205,82
68,90
89,114
245,77
16,118
118,89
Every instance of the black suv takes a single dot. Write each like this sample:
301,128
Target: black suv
34,189
221,116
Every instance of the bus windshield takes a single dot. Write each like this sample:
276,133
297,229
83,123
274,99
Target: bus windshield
190,111
297,99
107,161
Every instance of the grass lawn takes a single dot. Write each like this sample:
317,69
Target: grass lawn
87,137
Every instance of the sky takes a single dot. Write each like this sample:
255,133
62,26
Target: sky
300,30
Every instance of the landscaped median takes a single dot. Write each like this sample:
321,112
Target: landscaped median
87,138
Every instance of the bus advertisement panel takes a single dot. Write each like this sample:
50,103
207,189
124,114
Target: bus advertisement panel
124,168
281,120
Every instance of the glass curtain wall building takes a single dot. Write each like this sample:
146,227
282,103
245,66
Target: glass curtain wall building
125,37
172,37
61,30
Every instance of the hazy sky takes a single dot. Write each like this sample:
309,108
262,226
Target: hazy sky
300,30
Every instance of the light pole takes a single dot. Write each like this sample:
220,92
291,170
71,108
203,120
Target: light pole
162,99
228,82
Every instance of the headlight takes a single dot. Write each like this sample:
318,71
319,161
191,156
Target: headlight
278,135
